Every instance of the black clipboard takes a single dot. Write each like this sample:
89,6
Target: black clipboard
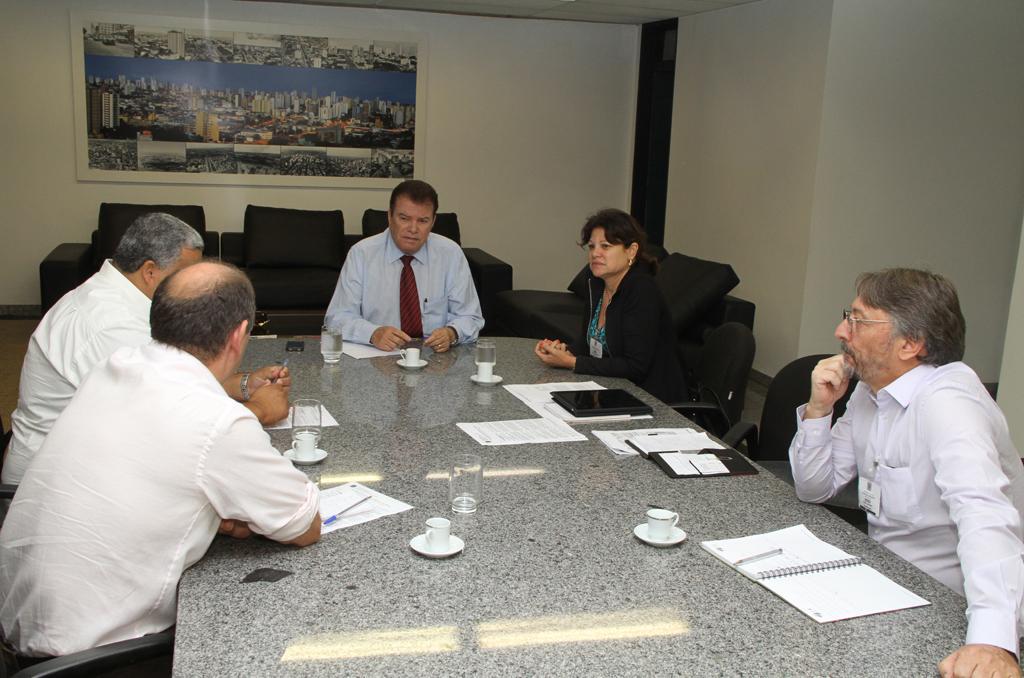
733,460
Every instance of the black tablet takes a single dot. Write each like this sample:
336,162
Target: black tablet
600,403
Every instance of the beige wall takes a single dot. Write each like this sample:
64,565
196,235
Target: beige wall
529,130
749,86
815,140
1011,373
921,161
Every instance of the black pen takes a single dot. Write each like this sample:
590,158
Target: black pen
284,366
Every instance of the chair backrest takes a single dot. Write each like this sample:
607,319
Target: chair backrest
724,368
115,218
447,224
277,237
790,388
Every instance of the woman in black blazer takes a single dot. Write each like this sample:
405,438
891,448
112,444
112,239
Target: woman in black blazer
627,331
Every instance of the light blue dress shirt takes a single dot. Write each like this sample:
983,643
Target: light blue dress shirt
367,293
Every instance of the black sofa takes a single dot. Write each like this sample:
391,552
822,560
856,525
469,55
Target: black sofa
695,290
293,258
69,264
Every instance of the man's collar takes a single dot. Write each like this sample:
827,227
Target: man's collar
392,253
903,388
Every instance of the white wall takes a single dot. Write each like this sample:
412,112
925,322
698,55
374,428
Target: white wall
530,127
921,161
1011,373
749,87
815,140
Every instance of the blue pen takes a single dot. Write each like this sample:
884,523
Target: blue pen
330,520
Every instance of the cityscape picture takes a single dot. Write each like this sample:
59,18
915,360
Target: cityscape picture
214,102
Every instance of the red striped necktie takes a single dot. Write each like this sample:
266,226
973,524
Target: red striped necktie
409,300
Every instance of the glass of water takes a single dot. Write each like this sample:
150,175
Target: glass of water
485,356
465,483
330,344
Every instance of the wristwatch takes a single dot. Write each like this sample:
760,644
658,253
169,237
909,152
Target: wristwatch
244,387
455,332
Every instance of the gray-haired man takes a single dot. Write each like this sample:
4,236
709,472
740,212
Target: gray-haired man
106,312
938,476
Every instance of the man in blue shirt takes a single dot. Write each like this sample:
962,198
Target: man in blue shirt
407,282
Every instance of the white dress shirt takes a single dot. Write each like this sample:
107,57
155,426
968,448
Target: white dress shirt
952,485
128,491
89,323
367,293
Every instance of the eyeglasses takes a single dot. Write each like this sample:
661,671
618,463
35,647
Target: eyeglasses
851,321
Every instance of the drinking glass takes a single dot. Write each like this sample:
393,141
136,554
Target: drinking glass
486,356
330,344
465,483
306,424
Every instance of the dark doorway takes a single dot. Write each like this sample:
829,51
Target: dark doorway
654,126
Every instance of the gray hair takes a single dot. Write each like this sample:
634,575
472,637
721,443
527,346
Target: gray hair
923,306
156,237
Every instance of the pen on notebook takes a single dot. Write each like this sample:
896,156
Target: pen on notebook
346,510
759,556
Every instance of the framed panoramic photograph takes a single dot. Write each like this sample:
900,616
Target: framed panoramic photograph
187,100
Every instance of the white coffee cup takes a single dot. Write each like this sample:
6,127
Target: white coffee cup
411,356
438,531
485,371
660,523
304,444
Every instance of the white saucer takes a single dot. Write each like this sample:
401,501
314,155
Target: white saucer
409,366
319,457
495,379
419,545
678,536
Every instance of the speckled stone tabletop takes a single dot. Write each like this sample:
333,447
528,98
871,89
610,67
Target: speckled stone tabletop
551,581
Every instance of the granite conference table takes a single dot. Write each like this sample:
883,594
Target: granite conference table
551,581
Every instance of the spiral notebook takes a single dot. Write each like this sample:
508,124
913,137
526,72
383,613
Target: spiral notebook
822,581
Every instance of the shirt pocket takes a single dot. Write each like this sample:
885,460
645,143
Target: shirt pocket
899,497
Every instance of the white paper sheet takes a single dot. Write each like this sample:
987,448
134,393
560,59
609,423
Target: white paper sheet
616,440
326,419
538,398
684,440
694,464
338,498
360,351
521,431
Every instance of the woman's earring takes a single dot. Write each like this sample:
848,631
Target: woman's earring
630,262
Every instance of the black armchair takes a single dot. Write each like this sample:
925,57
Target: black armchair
490,274
720,378
105,658
69,264
293,258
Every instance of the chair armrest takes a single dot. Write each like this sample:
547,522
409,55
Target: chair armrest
103,658
211,244
709,415
64,268
232,248
742,432
490,275
7,491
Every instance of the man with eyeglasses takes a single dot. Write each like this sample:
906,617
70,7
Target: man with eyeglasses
937,473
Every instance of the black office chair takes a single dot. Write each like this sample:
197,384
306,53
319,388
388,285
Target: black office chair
769,445
719,381
98,660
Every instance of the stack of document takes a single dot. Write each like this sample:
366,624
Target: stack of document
354,503
649,440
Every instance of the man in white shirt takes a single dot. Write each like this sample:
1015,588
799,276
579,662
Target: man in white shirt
139,472
939,477
106,312
407,282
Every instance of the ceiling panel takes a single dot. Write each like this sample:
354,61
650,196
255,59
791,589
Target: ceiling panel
607,11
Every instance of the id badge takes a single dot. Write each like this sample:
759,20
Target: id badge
869,495
595,348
